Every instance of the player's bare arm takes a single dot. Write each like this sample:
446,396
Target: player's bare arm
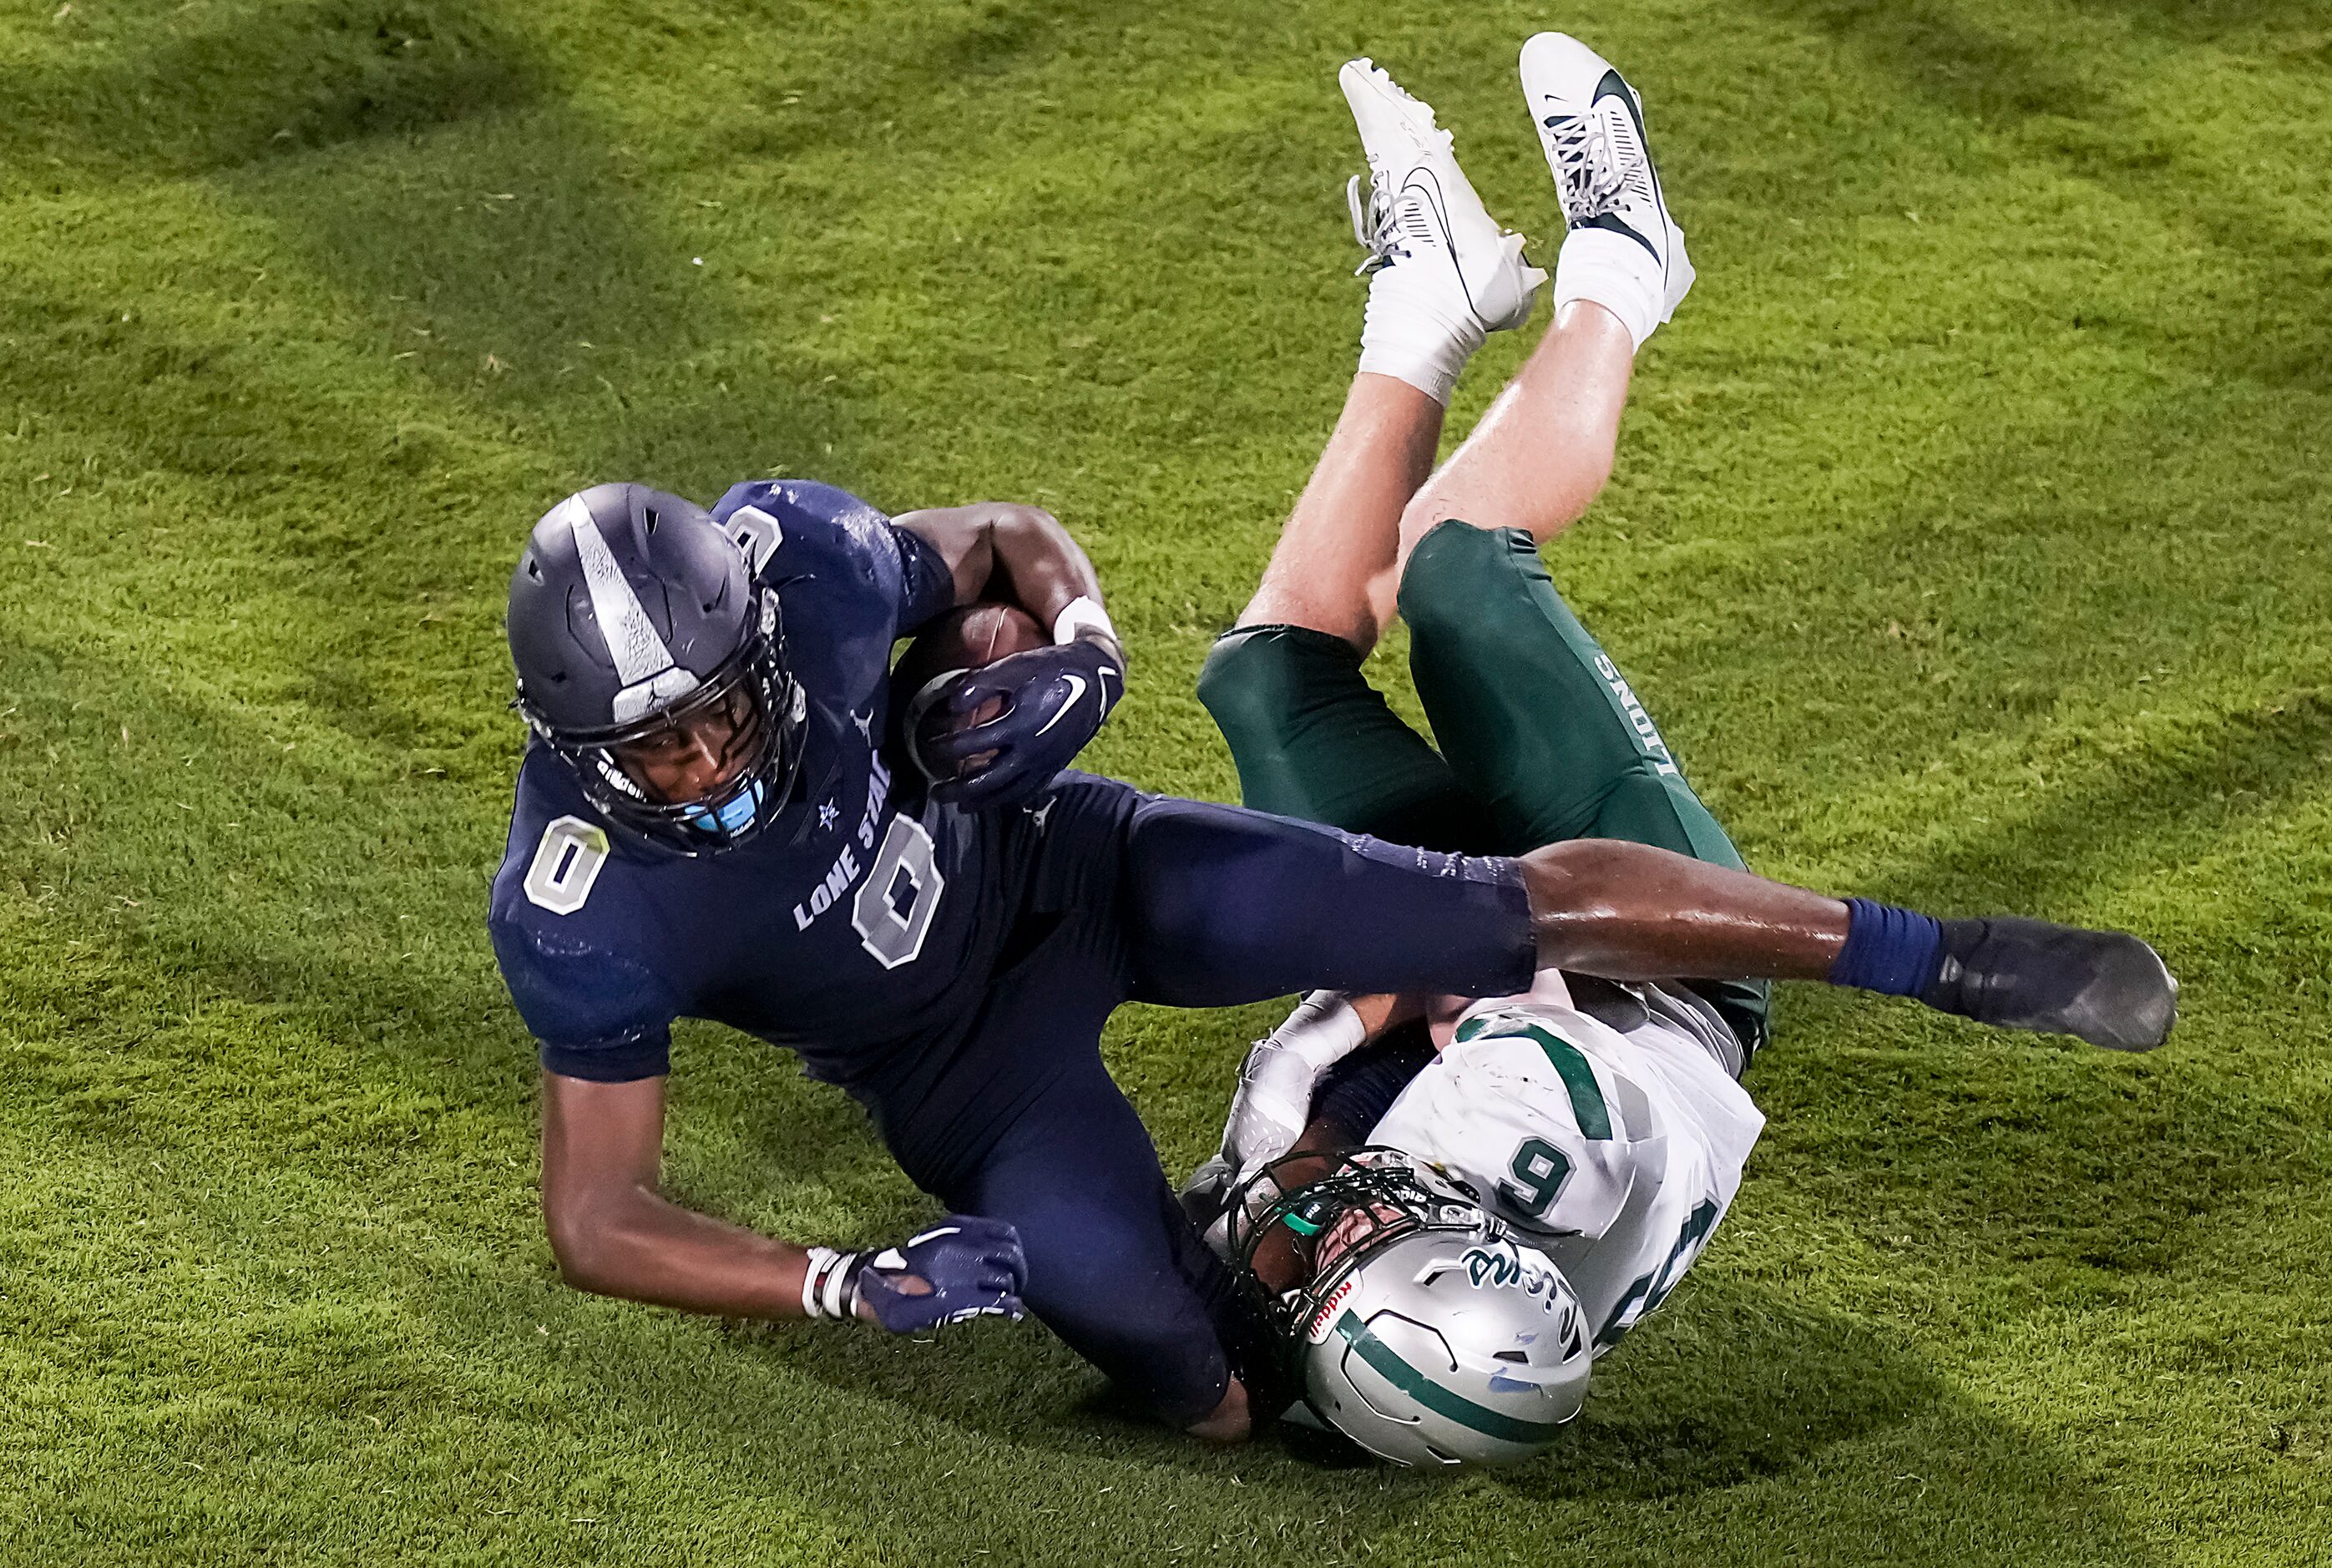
1000,733
1004,552
615,1233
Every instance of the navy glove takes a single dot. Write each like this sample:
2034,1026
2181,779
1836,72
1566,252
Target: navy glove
974,1268
1054,700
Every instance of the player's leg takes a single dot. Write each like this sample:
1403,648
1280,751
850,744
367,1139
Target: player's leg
1332,569
1115,1267
1312,739
1621,273
1222,905
1542,453
1219,905
1443,276
1538,723
1533,716
1008,1112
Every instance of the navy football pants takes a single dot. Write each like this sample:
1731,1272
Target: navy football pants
1129,897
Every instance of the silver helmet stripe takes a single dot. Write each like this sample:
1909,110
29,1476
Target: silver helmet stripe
643,663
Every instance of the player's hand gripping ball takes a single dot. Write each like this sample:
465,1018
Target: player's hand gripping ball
992,711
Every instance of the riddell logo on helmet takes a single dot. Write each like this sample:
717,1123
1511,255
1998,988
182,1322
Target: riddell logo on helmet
1328,1309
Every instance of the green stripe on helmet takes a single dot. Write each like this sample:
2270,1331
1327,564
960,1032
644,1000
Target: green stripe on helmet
1440,1401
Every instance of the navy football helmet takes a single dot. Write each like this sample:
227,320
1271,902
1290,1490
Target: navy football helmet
633,618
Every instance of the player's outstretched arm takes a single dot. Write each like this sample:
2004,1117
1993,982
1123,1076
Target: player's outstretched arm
615,1234
1630,912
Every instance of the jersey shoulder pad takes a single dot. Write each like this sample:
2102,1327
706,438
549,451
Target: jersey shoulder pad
559,921
852,581
598,1012
792,527
1558,1046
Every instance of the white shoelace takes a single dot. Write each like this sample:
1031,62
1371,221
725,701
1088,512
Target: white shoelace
1376,224
1594,177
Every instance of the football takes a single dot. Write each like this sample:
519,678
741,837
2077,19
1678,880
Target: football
960,641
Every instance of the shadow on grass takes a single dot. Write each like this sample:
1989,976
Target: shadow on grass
264,81
2139,807
1750,1405
425,164
2078,599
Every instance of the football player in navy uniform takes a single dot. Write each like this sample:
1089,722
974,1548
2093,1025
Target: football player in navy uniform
711,822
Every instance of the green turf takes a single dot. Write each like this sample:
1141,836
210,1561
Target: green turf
1969,541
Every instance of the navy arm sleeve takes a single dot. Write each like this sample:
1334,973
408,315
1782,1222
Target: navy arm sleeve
927,588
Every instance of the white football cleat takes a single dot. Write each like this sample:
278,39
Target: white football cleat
1419,217
1591,125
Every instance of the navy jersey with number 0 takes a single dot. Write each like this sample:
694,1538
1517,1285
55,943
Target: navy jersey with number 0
849,925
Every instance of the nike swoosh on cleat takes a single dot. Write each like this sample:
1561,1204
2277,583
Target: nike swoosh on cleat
1436,204
1614,85
1077,684
1606,221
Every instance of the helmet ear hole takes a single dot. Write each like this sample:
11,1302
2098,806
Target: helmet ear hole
534,569
649,515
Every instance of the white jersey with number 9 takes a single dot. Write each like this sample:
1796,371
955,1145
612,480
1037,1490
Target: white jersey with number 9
1615,1153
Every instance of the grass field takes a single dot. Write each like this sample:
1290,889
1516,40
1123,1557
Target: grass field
1970,542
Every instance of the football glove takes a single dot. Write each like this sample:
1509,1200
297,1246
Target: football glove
1276,1081
974,1266
1054,700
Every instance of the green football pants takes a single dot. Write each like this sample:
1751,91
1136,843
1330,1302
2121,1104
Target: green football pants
1541,737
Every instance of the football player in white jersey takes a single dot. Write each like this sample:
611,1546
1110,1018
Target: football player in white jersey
1450,1208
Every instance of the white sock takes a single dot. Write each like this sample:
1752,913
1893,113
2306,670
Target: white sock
1614,271
1406,334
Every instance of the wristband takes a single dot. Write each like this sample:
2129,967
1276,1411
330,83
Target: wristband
1082,615
1896,952
828,1284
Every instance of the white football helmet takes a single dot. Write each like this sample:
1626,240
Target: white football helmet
1418,1326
